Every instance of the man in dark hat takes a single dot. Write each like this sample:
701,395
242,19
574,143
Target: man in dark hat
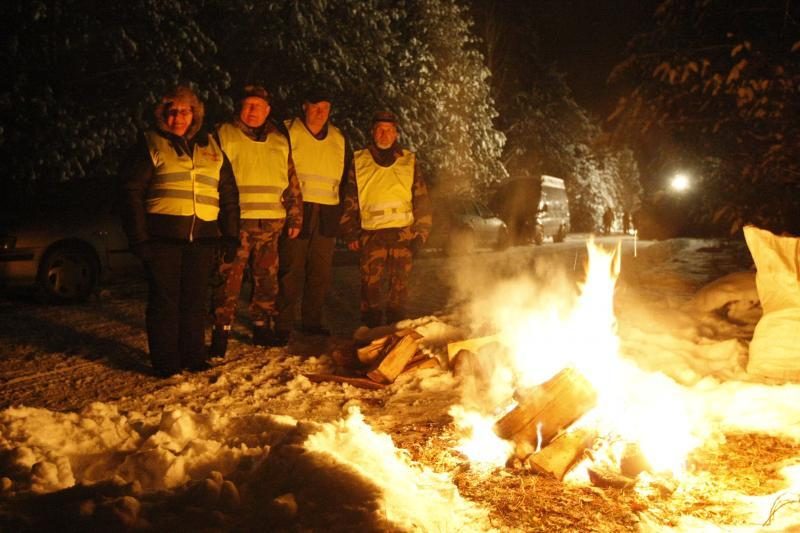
323,159
388,218
270,199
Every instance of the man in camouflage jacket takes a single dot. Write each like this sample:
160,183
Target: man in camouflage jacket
388,218
270,198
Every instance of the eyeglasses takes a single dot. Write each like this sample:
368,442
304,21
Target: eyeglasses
179,112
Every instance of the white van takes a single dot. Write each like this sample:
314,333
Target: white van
534,208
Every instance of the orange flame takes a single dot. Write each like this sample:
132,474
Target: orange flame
635,406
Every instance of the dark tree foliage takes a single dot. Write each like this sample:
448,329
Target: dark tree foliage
415,57
84,75
81,79
547,131
718,83
452,88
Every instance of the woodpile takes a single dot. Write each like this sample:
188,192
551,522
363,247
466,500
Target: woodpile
545,410
380,362
539,424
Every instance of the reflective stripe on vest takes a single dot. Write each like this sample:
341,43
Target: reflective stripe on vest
261,169
183,185
319,163
384,193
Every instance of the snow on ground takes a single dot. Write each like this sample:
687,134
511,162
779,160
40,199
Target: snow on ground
252,444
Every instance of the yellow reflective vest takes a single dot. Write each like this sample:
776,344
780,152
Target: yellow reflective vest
385,193
261,169
183,185
319,163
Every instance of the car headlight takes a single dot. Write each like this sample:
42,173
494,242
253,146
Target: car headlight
7,242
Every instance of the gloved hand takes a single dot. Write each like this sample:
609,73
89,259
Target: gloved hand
142,250
228,248
416,245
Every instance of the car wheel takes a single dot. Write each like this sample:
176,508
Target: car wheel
461,242
67,274
538,235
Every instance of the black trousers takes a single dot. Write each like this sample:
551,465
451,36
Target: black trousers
178,276
305,268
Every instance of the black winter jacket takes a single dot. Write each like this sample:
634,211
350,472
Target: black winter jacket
136,174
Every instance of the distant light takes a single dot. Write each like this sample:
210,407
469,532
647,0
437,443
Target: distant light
680,182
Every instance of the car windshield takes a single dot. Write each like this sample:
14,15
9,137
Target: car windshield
484,211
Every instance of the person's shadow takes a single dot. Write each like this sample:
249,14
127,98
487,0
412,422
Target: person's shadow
93,331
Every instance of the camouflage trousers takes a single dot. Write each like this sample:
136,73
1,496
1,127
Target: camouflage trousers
385,267
259,251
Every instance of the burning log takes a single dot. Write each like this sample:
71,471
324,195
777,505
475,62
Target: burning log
396,358
562,454
605,478
420,364
633,462
545,410
470,345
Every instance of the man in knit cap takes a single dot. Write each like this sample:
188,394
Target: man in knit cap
270,200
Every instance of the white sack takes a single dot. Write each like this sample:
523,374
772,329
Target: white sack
775,348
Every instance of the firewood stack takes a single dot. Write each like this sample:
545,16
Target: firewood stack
380,362
538,425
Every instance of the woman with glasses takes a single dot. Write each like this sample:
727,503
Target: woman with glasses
180,202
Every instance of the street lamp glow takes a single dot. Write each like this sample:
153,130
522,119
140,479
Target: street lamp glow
680,182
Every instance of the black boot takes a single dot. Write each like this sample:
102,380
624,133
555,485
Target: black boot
280,338
317,330
267,335
395,315
219,342
263,334
372,318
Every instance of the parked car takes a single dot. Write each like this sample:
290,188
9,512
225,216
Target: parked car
67,243
534,208
462,224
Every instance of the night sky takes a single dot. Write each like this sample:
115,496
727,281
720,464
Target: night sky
586,38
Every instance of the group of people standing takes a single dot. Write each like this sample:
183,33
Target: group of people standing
272,197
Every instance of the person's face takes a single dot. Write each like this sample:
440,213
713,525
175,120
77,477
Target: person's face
254,111
316,115
179,118
384,134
